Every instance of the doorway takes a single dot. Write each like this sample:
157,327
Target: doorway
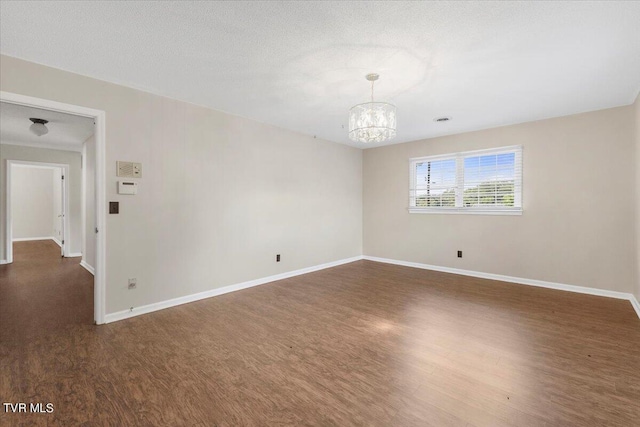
37,204
98,228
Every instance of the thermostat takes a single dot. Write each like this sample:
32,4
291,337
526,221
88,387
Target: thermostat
127,187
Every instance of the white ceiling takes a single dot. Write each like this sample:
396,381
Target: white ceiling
301,65
66,131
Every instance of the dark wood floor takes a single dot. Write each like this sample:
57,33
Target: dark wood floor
42,293
360,344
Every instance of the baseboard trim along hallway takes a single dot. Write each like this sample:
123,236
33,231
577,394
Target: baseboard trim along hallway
87,267
30,239
149,308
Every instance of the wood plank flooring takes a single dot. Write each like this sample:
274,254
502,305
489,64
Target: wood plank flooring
363,344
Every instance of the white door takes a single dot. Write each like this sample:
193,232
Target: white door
62,212
58,207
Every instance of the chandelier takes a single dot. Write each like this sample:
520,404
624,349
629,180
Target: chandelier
372,121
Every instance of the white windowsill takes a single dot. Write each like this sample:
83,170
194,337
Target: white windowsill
463,211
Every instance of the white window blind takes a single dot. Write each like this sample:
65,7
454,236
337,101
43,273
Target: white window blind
485,181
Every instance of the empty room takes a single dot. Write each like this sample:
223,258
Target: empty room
319,213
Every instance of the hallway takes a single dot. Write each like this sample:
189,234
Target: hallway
42,293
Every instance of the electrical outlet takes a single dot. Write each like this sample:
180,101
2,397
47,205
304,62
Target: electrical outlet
133,283
459,254
278,258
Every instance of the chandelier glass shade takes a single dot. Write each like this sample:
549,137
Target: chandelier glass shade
372,121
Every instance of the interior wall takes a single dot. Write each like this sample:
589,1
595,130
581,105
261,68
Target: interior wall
578,201
32,205
220,195
17,152
88,174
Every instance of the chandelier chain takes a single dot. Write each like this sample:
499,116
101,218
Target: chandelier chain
372,90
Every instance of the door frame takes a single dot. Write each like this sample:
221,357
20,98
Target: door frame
8,203
99,118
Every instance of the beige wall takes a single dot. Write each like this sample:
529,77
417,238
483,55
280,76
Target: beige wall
637,138
16,152
220,195
578,200
32,202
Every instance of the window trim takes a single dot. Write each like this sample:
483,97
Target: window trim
459,157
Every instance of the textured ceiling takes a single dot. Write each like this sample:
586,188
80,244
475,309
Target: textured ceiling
66,131
301,65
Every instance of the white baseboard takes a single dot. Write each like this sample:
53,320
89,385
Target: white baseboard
149,308
28,239
635,304
87,267
136,311
522,281
56,241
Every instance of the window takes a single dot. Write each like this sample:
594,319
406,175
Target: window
483,182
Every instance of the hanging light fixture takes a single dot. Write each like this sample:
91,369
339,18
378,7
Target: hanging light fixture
372,121
38,127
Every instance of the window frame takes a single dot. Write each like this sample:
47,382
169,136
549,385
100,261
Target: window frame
459,186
